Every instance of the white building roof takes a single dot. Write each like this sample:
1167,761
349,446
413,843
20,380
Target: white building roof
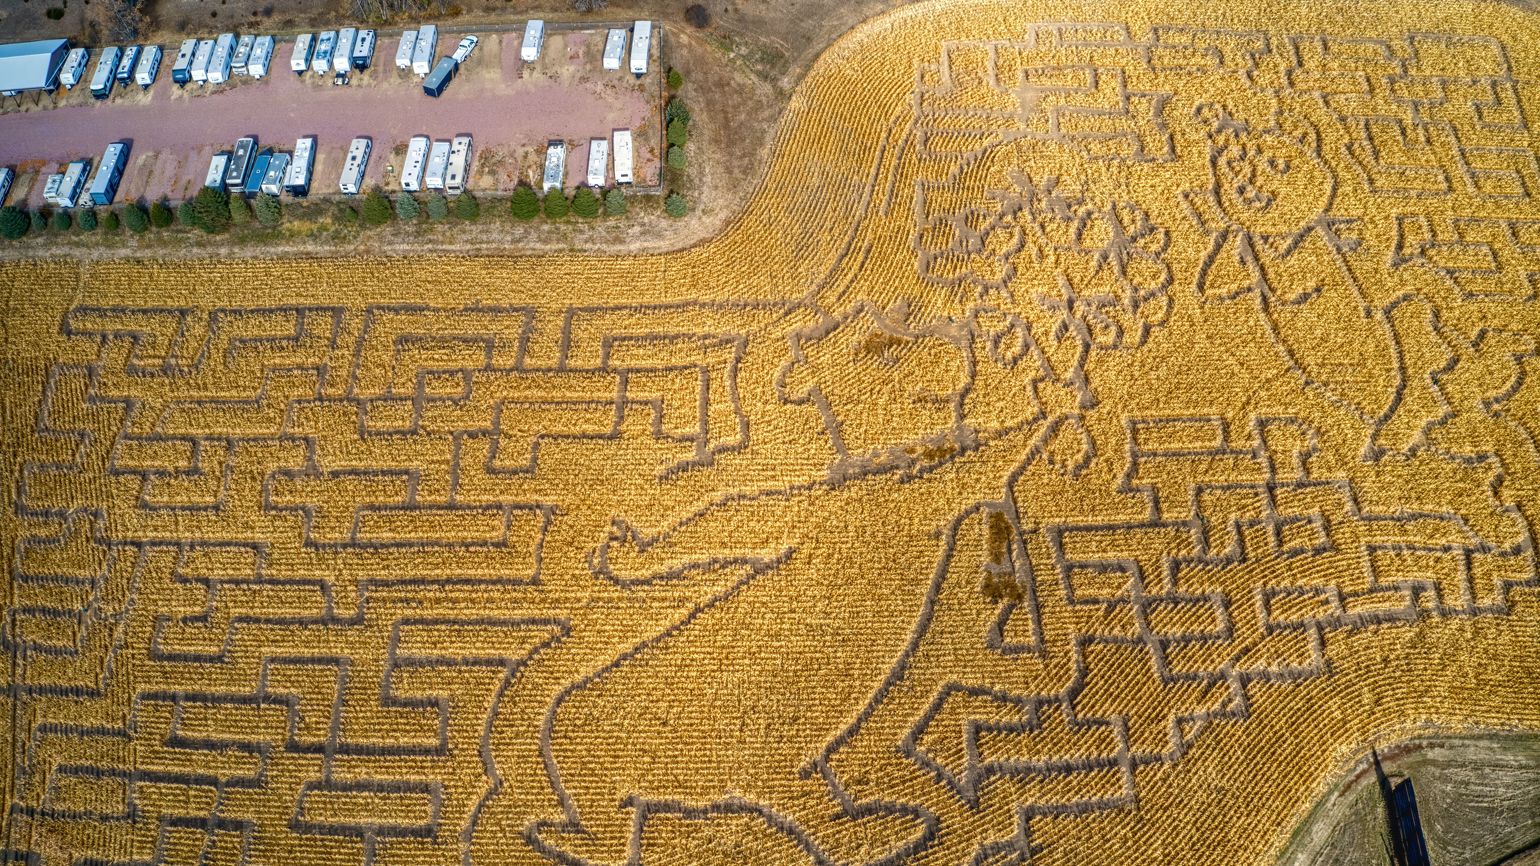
31,65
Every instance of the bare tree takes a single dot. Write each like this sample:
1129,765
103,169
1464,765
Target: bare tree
589,5
116,20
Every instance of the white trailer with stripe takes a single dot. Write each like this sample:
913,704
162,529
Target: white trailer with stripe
598,161
623,166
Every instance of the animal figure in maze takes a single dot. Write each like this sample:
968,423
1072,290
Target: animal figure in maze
968,541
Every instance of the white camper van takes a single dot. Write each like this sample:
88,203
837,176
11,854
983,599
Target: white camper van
181,68
242,54
614,48
321,60
299,61
534,37
555,165
623,165
296,181
459,166
342,55
404,50
224,55
261,57
641,45
74,67
598,161
416,162
424,52
438,164
148,66
199,72
354,166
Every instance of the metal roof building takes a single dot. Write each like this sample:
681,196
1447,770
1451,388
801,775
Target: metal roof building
31,65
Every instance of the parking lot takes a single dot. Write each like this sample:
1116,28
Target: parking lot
512,108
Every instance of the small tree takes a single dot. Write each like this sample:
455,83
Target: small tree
675,205
343,213
525,204
61,220
160,214
676,158
87,219
556,204
584,203
13,222
697,15
466,206
438,206
39,220
675,79
268,209
615,202
377,209
211,206
589,5
135,218
678,133
110,221
240,211
186,215
676,110
407,208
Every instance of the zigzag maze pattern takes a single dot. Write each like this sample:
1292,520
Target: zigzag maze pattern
1137,422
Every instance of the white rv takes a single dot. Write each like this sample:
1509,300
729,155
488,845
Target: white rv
199,71
297,180
74,180
51,188
598,161
148,67
299,61
534,37
416,161
74,67
354,166
623,167
277,172
459,167
555,165
127,62
223,56
342,55
218,165
641,45
321,60
438,163
404,50
614,48
242,54
261,57
425,50
106,67
7,174
363,49
181,68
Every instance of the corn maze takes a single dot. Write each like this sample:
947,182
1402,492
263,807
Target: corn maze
1090,439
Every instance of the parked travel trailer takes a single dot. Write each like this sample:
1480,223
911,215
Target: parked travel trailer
242,54
598,161
148,67
353,168
623,165
239,167
459,167
261,57
7,176
181,68
438,164
277,171
297,180
416,161
74,67
218,165
342,55
51,187
199,72
614,48
641,45
126,64
425,51
106,70
299,60
404,50
534,37
464,49
363,49
321,60
219,63
258,172
555,165
443,73
109,173
74,181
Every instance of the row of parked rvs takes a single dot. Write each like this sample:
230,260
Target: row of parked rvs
599,150
333,51
138,64
247,170
76,186
217,60
444,165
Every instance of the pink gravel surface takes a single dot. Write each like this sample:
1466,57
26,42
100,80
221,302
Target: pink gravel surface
511,108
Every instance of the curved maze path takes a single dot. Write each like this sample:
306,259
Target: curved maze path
1092,436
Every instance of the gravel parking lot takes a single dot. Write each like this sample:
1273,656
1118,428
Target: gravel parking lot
511,108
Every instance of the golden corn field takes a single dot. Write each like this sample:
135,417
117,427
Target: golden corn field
1093,436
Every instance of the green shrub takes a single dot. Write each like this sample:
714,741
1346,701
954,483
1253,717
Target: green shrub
556,205
135,218
585,203
110,221
268,209
160,214
186,215
615,202
377,209
13,222
211,207
676,110
675,79
343,213
61,221
678,133
525,204
407,208
240,210
675,205
676,158
438,206
39,220
87,219
54,13
466,206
